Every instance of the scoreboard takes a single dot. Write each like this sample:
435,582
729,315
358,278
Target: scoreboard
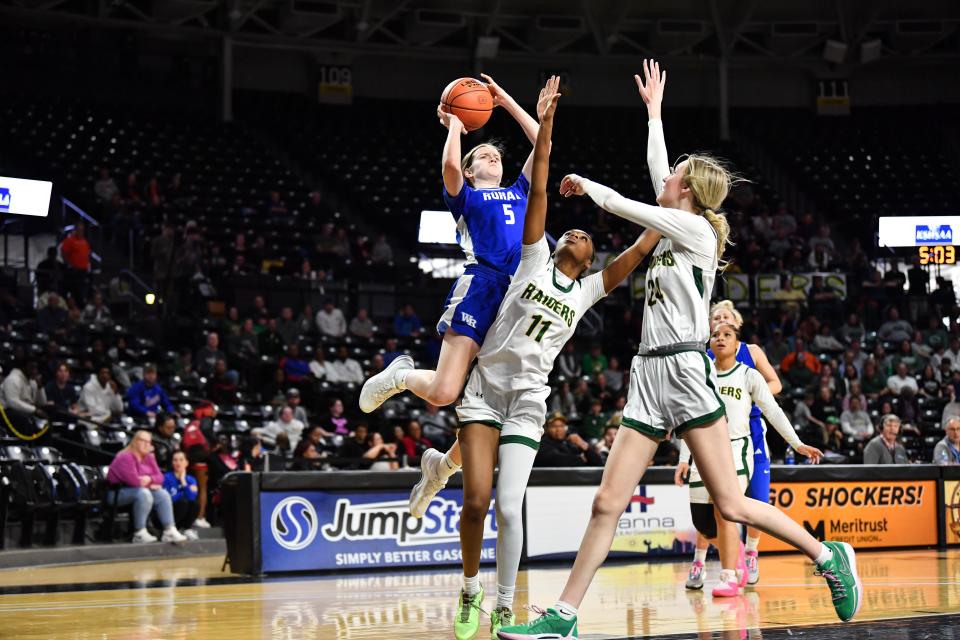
932,237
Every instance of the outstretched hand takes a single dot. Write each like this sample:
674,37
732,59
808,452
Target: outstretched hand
448,120
547,102
572,185
811,452
651,86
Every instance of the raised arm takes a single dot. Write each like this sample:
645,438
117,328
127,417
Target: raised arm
452,173
651,90
536,216
529,125
624,264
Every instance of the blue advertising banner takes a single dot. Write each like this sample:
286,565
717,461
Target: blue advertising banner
316,530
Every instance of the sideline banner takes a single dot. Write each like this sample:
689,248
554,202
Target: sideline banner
316,530
895,513
951,499
657,521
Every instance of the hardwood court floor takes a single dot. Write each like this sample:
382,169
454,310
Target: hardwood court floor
190,599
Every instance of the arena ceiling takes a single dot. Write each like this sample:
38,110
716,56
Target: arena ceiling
697,29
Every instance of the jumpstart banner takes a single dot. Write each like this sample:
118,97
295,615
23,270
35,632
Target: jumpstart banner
895,513
317,530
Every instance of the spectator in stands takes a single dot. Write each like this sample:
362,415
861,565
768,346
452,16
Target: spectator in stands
595,361
164,443
906,355
75,251
52,316
800,367
557,449
852,330
947,451
568,364
582,397
562,400
777,349
823,239
305,320
856,422
21,392
803,413
141,484
247,346
294,401
251,454
146,397
382,453
929,386
208,355
614,375
105,187
356,448
288,328
100,398
824,406
603,446
884,448
414,442
330,320
345,369
381,253
49,273
873,381
789,296
406,324
60,393
935,336
275,207
335,423
854,390
594,422
182,488
295,368
286,424
308,449
319,367
824,342
902,380
895,329
222,384
97,313
361,326
832,435
438,425
270,343
953,354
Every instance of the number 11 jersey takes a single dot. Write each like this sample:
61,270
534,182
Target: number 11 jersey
537,317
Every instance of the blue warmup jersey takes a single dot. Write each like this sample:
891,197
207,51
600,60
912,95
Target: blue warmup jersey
490,231
760,481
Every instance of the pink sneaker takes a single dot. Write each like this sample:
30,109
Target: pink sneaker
753,567
742,566
729,589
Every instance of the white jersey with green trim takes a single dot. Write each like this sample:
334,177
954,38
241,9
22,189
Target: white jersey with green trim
537,317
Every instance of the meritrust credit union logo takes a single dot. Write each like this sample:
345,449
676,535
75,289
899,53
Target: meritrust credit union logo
294,523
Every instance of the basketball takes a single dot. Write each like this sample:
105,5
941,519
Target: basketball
470,100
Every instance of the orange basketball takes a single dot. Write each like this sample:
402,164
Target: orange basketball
470,100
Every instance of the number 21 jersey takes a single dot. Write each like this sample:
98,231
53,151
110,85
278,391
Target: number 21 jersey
537,317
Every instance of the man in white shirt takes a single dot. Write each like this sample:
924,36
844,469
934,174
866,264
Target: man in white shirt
20,391
856,422
345,368
285,424
330,321
319,366
100,397
900,380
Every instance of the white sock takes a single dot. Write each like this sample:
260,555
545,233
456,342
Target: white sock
505,596
701,555
826,555
566,610
728,575
447,467
752,543
471,586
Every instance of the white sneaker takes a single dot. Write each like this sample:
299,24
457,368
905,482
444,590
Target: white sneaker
379,388
191,534
172,535
430,482
143,536
201,523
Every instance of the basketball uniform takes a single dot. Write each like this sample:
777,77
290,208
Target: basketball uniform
508,388
741,387
760,478
490,231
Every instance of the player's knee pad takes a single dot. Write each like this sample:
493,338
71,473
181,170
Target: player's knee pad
704,519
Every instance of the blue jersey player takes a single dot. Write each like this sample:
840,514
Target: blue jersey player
751,355
489,228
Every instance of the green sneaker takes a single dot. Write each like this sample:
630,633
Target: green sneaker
842,578
501,617
467,622
550,624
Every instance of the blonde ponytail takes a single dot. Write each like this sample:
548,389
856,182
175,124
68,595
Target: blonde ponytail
710,181
722,228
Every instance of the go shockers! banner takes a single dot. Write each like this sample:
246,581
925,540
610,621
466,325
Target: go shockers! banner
896,513
317,530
